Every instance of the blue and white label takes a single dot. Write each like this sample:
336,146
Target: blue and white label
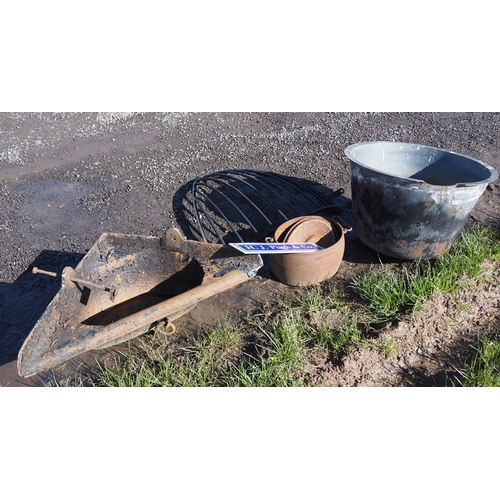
251,248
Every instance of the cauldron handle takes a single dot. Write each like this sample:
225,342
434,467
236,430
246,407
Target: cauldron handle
335,218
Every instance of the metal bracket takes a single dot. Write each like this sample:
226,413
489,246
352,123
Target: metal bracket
174,240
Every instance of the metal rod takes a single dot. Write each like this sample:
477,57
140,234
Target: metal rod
211,221
75,280
41,271
197,204
276,194
235,178
213,188
291,182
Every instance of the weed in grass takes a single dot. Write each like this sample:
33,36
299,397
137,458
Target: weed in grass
76,380
340,335
213,354
324,295
219,357
482,368
385,291
283,362
202,361
147,369
389,347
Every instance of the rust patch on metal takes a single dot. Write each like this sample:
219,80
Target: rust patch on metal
314,267
158,280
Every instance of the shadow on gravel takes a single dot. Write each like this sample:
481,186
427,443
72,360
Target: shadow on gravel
23,302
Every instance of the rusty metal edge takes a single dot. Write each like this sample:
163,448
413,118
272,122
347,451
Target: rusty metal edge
94,337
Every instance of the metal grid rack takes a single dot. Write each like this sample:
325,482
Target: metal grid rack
246,205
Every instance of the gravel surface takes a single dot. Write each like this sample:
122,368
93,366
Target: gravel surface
67,177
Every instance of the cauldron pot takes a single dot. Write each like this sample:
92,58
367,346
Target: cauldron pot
411,201
301,269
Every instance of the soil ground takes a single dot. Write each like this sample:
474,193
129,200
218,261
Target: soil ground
66,178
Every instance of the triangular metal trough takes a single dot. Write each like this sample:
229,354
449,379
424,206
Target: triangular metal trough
123,286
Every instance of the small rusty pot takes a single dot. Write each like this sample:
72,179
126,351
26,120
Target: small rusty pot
305,229
301,269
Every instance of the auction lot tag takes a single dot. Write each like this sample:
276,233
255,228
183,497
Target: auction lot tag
249,248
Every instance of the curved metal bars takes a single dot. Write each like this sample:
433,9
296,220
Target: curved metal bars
249,192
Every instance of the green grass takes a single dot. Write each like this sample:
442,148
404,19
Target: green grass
202,363
273,348
390,292
280,361
482,368
278,345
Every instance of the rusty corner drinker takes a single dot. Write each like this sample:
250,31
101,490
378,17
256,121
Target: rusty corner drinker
411,201
123,286
301,269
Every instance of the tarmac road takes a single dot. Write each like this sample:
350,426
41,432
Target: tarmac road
65,178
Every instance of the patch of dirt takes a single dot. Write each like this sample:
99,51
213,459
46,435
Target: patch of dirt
427,348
